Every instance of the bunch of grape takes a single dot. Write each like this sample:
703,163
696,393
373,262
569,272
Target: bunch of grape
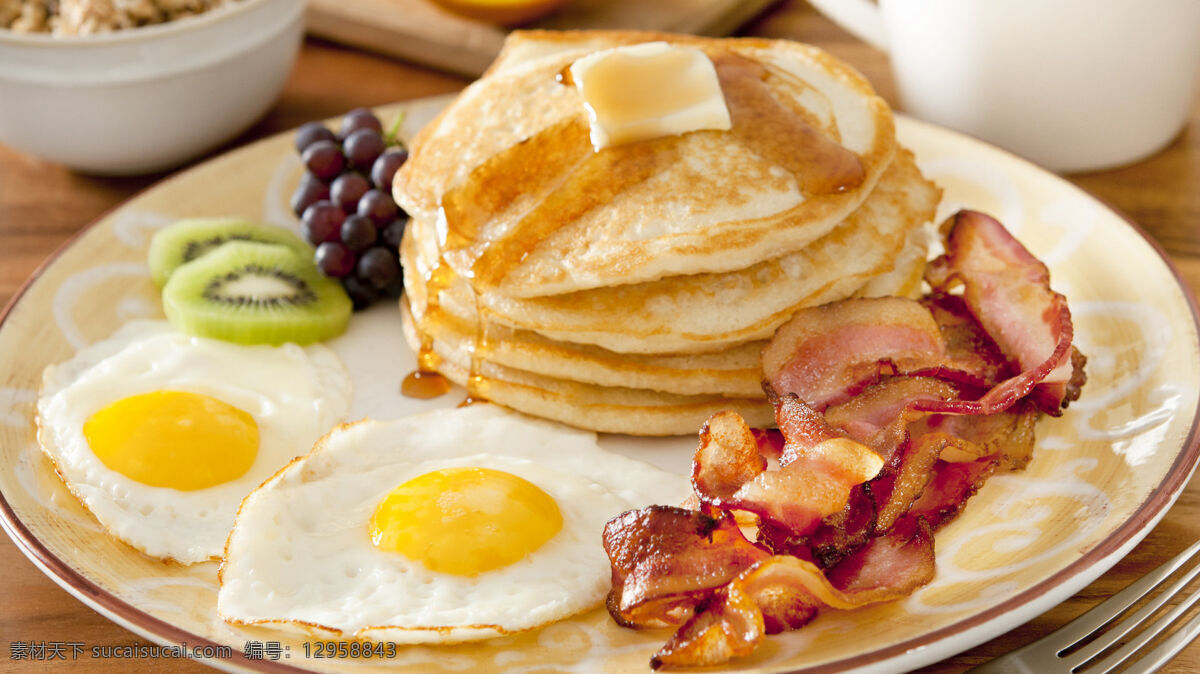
345,204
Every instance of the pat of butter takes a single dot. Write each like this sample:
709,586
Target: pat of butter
649,91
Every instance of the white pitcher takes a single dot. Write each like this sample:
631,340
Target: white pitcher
1074,85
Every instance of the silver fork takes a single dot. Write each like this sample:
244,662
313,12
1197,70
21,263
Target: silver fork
1049,655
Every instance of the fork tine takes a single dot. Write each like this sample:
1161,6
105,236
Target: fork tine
1126,625
1152,630
1169,648
1041,655
1110,608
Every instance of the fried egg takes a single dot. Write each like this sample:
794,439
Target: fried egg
160,435
448,526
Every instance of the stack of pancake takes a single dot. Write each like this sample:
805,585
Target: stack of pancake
631,289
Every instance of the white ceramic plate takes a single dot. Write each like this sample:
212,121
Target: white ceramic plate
1102,476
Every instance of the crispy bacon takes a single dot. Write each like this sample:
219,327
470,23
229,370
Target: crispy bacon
891,414
973,359
1007,289
784,592
826,354
839,534
770,442
1008,435
871,417
725,626
727,458
665,559
949,488
817,468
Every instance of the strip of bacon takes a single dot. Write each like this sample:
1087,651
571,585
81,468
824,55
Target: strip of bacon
783,592
817,468
725,626
727,458
973,359
839,534
826,354
1008,435
666,559
878,417
949,488
881,416
1007,289
770,442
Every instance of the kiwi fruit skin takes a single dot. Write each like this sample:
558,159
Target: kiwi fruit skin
192,238
214,296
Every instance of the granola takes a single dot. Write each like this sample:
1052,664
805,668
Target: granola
87,17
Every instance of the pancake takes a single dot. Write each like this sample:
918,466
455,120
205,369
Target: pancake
735,371
605,409
526,208
709,312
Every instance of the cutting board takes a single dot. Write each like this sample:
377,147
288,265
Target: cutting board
417,30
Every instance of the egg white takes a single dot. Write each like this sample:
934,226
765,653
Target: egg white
300,555
295,394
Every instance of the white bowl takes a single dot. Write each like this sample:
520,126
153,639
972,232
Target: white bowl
146,99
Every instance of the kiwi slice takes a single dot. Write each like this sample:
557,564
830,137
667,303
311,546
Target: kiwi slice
255,293
189,239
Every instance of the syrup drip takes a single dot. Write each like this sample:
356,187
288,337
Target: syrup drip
481,348
424,384
427,360
564,76
779,135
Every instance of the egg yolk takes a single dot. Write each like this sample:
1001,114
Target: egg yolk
184,441
465,521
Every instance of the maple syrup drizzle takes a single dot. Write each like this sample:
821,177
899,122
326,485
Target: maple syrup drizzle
568,178
424,384
779,135
471,400
480,350
531,168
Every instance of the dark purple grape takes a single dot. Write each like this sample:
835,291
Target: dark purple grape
361,293
359,118
379,266
324,159
363,147
334,259
311,190
392,234
358,232
347,189
395,288
310,133
378,205
322,221
384,168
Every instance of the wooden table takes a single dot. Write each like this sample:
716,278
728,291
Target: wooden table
42,205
